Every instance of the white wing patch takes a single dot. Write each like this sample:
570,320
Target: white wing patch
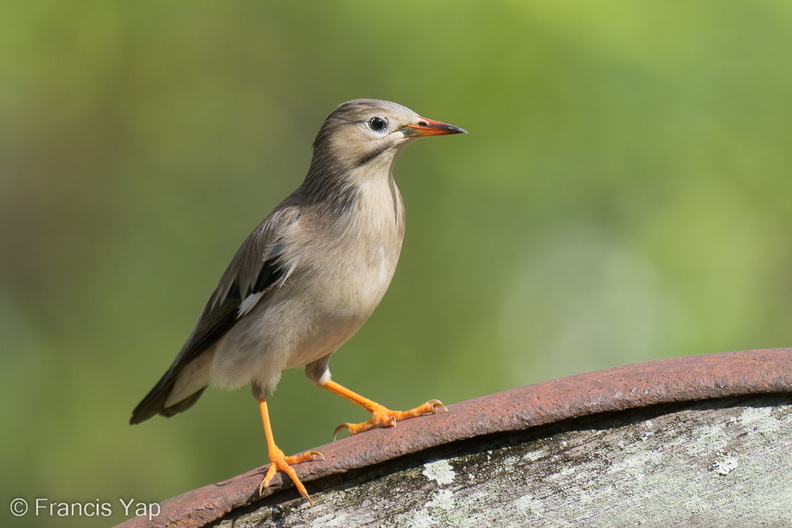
249,303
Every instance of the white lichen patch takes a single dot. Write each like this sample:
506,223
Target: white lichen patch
533,456
529,504
440,471
704,439
510,461
648,430
440,510
442,500
759,418
421,519
635,464
725,464
564,474
517,461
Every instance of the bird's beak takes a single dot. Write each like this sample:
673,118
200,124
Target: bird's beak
430,127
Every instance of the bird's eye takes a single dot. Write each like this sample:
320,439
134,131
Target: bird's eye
377,124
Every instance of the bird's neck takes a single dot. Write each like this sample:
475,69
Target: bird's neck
325,185
331,184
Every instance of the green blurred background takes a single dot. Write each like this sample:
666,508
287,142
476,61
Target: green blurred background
623,195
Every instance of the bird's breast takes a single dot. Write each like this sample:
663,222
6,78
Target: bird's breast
366,244
341,274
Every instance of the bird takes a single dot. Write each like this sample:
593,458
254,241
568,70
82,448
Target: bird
307,278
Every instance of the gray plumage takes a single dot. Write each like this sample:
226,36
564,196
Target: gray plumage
309,276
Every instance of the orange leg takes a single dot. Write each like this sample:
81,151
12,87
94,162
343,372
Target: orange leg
380,416
277,458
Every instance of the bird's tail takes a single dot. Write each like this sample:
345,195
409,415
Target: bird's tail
154,402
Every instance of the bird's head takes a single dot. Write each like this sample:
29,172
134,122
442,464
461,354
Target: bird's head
371,132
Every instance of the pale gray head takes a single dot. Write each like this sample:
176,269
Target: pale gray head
370,131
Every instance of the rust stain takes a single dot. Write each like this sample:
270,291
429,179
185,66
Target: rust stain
689,378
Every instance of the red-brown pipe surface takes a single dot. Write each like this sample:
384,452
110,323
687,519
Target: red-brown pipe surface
684,379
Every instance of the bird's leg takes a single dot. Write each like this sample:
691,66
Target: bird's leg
278,460
381,416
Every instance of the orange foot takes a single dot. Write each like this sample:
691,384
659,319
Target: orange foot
277,459
280,462
383,417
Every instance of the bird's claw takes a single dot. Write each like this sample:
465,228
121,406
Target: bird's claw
283,463
384,417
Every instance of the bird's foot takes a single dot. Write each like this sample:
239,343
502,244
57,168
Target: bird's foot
280,462
383,417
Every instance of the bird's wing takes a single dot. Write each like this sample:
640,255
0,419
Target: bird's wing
256,269
253,272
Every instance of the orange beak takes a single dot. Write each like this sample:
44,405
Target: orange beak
430,127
